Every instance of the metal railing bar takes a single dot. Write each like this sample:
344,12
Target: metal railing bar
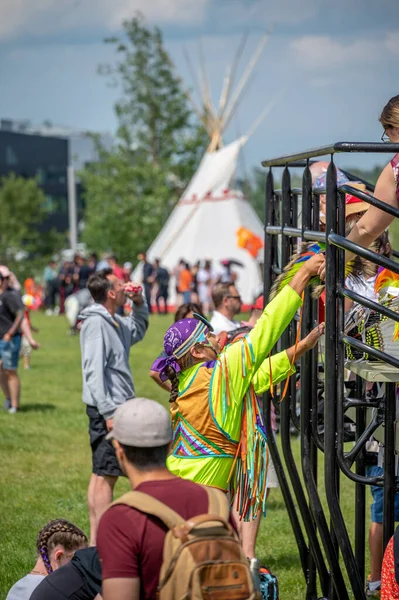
353,177
308,234
370,199
314,236
291,232
385,147
356,403
288,159
382,356
380,308
287,231
378,259
375,422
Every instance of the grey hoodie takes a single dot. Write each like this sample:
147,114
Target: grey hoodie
105,344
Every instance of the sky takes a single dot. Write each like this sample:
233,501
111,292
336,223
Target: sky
328,68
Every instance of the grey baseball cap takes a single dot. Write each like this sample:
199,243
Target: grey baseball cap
141,423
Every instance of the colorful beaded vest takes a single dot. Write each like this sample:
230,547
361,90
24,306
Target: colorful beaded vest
195,432
201,415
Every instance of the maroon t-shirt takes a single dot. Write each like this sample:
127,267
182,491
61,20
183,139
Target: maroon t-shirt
130,543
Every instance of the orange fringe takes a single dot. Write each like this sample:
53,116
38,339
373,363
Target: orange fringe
298,335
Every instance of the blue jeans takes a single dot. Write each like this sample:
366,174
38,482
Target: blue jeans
186,297
378,496
9,353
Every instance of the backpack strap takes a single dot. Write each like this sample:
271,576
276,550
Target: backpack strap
217,503
396,553
151,506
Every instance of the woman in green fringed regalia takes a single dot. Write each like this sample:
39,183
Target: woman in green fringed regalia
218,428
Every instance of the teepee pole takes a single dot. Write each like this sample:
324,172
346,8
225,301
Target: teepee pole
193,74
206,91
244,80
231,74
198,112
268,108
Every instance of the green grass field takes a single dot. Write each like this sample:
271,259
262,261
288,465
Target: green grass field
45,458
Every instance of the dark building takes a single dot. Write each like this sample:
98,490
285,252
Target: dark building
44,153
43,158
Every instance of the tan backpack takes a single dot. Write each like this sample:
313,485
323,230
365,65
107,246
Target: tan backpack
202,557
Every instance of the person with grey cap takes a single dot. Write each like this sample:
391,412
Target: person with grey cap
130,542
105,342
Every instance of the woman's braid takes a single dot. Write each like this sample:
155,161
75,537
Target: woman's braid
59,533
174,392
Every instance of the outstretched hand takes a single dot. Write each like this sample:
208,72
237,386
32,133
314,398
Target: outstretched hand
313,337
315,264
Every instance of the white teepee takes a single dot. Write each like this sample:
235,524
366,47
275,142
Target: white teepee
205,221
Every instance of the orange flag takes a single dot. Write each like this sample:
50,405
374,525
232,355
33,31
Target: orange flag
249,241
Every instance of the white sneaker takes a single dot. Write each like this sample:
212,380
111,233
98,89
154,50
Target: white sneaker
49,312
12,410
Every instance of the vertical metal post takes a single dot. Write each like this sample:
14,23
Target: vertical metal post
285,489
308,456
72,211
360,494
292,470
333,375
389,462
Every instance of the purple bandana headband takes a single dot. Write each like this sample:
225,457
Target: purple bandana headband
178,340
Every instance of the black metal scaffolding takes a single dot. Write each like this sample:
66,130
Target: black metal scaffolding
323,540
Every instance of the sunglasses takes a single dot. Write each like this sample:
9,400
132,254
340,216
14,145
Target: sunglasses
234,297
385,137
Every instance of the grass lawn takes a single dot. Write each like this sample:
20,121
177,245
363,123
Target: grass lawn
45,458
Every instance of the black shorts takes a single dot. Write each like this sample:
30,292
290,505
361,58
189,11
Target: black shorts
103,453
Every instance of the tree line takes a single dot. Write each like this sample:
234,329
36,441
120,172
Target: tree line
131,190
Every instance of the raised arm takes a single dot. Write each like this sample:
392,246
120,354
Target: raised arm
138,322
240,361
281,365
374,221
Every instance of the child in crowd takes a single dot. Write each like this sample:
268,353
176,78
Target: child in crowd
27,342
56,545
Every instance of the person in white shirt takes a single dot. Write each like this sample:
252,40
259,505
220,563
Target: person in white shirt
206,277
227,302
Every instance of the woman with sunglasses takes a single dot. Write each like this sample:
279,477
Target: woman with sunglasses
375,221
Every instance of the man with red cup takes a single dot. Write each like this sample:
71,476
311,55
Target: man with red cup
105,341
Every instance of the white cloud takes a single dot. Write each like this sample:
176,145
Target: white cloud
321,52
267,14
43,17
392,42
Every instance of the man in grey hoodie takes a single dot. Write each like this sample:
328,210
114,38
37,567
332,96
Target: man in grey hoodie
105,342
